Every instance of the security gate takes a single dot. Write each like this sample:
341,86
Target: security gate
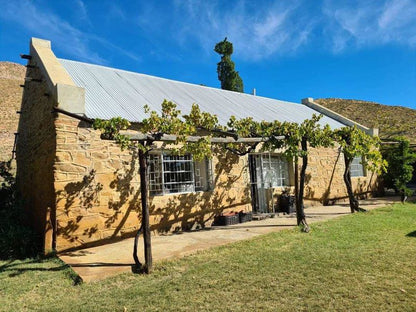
267,171
258,194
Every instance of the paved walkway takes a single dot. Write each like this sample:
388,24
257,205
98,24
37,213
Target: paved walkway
107,260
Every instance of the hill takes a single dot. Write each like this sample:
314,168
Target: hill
391,120
11,77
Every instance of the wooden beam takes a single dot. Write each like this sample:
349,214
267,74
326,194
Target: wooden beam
82,118
33,79
26,56
395,142
137,136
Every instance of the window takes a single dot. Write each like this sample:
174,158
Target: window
272,170
357,169
178,174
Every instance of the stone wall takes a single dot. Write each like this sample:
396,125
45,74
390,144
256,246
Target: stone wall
98,191
96,184
35,157
324,177
11,77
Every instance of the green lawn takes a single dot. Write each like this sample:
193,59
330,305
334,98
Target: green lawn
361,262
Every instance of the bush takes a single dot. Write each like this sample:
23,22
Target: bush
400,170
17,240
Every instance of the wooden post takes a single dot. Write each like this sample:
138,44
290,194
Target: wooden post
296,184
145,212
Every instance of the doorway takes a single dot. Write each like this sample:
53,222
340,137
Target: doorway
267,171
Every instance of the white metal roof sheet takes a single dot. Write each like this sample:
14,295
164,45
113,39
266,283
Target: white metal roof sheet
111,92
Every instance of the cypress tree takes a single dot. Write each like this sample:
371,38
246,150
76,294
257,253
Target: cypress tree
230,79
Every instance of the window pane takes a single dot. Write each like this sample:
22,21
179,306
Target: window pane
357,169
203,175
177,174
155,175
273,170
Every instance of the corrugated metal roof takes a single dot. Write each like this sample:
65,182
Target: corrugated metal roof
111,92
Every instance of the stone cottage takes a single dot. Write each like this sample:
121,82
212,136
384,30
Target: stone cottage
79,190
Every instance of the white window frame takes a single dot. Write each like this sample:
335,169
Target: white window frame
172,174
273,170
357,168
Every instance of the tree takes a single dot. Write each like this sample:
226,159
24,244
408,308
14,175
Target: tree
355,142
298,138
400,171
230,79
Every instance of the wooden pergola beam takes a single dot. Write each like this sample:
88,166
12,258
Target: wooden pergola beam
138,136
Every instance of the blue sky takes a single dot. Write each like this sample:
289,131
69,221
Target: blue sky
285,49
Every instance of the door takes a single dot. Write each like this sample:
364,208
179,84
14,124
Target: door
257,183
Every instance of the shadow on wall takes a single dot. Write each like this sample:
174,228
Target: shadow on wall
35,152
128,195
84,192
197,210
325,197
86,195
176,213
308,192
361,188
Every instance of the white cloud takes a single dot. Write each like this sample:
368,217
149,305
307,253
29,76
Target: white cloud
50,26
257,31
370,23
271,28
116,12
63,35
82,11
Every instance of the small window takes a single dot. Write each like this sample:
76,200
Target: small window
272,170
178,174
357,168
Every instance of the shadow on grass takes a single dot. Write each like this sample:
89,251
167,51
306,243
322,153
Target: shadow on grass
411,234
100,264
14,268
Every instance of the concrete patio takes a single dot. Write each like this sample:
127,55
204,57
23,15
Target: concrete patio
100,262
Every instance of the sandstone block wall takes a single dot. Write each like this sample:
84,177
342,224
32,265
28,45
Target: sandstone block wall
98,190
324,177
96,184
35,157
11,77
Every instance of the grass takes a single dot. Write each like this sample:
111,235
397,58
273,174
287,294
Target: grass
361,262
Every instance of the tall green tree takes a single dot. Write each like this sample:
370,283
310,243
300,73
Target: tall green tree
400,171
299,137
230,79
355,142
